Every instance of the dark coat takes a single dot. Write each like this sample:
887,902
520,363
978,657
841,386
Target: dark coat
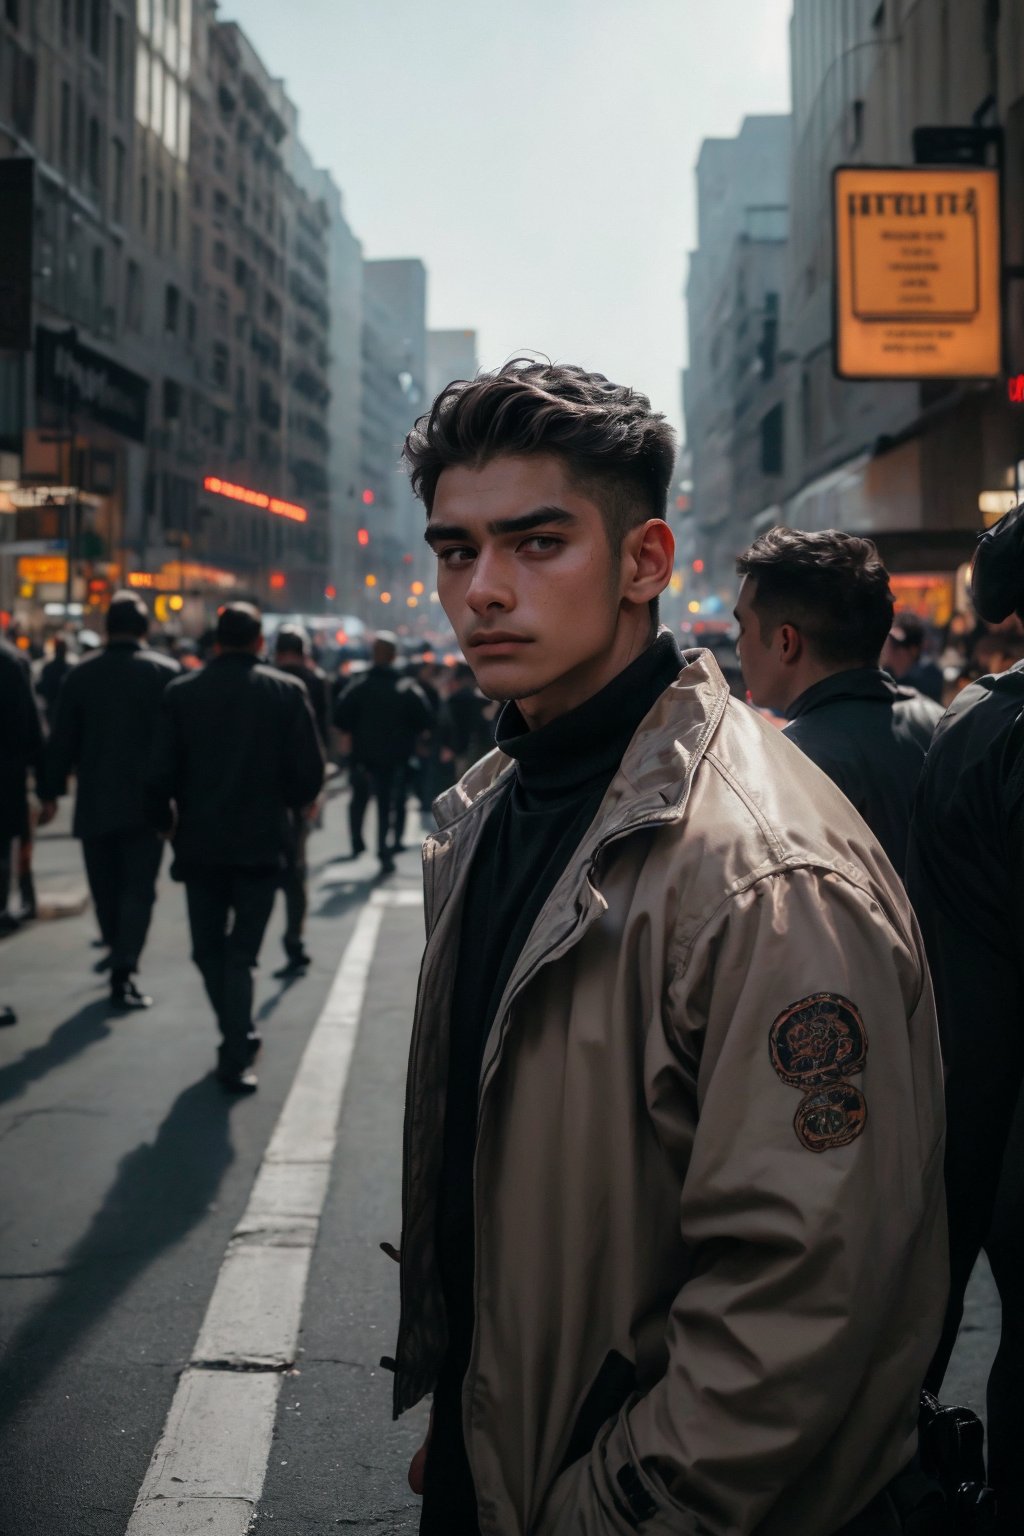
21,741
383,713
107,711
315,683
236,748
966,866
870,736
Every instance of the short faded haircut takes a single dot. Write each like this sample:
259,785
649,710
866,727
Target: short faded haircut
831,586
614,446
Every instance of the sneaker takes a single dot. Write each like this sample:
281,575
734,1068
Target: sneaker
295,965
244,1081
125,994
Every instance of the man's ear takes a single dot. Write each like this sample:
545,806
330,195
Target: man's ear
791,644
648,553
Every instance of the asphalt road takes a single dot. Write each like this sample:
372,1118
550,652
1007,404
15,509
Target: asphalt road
124,1173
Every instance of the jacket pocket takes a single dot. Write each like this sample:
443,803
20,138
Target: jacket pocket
614,1383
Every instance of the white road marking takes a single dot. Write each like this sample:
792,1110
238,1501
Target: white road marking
208,1468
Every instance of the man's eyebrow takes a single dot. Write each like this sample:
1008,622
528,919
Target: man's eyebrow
542,517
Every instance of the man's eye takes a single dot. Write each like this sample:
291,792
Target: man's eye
459,554
541,543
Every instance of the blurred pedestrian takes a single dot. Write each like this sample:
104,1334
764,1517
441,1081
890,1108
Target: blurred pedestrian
672,1235
236,750
292,655
21,750
51,675
814,611
966,879
380,716
107,712
467,722
904,659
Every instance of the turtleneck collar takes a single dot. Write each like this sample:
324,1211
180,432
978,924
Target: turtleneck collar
588,743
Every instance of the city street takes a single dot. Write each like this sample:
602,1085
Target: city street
126,1172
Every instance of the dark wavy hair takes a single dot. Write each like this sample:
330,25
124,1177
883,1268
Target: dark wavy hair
831,586
615,447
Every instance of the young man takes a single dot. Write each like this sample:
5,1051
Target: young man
673,1246
814,610
107,714
236,751
292,656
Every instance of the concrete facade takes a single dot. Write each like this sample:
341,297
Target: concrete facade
450,355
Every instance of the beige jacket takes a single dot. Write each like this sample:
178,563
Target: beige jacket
709,1213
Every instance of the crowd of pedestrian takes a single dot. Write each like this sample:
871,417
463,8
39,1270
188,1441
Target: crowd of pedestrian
703,985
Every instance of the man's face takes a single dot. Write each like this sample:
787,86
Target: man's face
528,580
759,659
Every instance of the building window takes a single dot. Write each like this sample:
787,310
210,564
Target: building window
133,297
65,18
197,245
80,19
190,323
220,256
220,422
172,400
220,365
11,8
80,140
120,60
159,210
143,202
174,220
117,181
172,308
96,28
99,283
94,153
219,154
65,124
772,447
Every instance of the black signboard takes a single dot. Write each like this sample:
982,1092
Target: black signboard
16,222
87,384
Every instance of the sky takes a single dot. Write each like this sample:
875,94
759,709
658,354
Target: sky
537,155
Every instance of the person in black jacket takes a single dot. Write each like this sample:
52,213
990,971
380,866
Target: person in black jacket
51,675
236,750
814,611
966,881
107,712
21,748
382,714
291,655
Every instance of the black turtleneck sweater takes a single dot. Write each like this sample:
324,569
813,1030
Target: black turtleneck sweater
562,772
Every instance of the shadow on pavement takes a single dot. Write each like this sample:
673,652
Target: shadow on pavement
86,1027
336,896
162,1190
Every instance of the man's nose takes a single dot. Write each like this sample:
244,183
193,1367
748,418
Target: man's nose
489,587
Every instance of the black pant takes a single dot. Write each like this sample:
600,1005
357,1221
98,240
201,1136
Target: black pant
295,899
385,785
122,869
985,1202
228,912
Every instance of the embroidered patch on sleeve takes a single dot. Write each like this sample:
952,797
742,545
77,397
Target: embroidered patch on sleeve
815,1045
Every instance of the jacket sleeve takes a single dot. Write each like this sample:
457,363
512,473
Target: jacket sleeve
802,1197
163,767
65,743
303,753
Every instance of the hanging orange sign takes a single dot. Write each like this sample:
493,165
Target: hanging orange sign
917,273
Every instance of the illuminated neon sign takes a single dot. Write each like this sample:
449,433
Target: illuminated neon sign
218,487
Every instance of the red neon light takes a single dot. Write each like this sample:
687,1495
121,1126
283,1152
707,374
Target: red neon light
330,593
278,581
242,493
1015,389
363,537
368,498
698,566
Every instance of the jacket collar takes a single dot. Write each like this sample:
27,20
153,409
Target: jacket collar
654,776
854,683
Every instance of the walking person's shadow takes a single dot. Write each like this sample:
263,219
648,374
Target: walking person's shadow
162,1189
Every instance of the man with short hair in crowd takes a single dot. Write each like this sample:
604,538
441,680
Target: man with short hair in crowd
381,714
236,751
673,1240
292,655
903,656
107,713
814,610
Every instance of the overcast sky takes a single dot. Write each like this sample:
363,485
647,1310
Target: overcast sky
537,155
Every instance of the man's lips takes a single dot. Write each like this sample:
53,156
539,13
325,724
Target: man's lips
496,637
